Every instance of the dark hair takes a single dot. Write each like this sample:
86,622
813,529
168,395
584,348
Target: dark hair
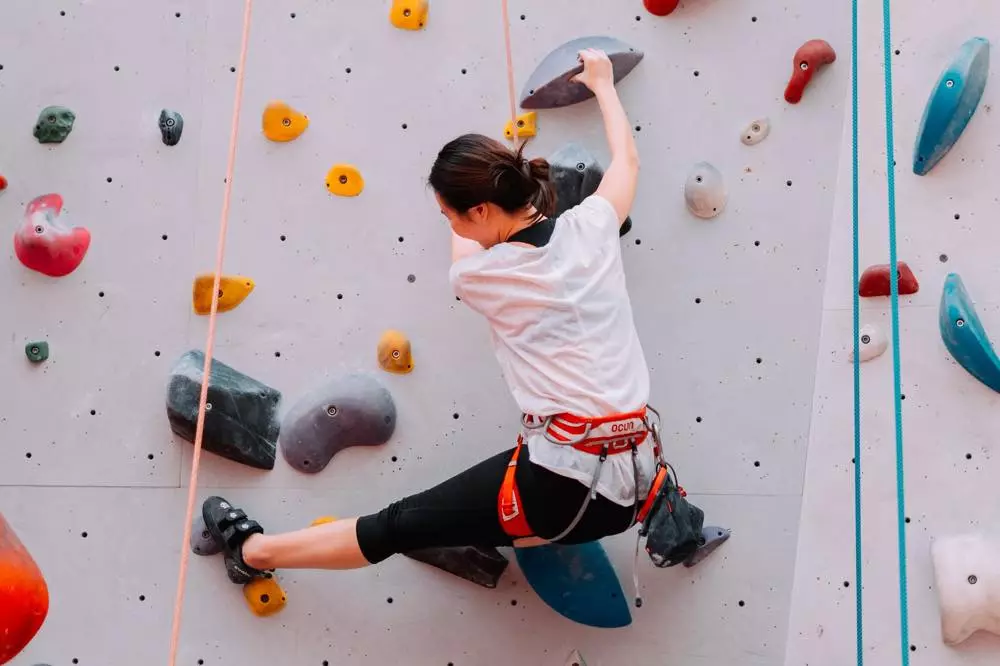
475,169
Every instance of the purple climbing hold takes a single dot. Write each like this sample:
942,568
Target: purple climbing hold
550,87
201,540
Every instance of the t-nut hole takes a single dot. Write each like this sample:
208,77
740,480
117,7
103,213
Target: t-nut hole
343,180
973,579
287,122
39,229
803,65
865,339
208,406
960,323
407,12
697,179
332,410
580,166
949,83
395,353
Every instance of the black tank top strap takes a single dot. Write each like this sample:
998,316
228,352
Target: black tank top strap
537,235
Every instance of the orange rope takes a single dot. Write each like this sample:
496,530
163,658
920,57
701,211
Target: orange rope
210,342
510,70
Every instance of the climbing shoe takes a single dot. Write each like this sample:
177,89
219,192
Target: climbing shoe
230,528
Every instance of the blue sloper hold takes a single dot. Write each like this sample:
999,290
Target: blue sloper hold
964,336
549,86
952,103
576,174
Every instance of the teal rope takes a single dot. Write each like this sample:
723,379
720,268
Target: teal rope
894,296
857,334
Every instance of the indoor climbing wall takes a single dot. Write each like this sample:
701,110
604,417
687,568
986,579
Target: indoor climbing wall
334,239
945,225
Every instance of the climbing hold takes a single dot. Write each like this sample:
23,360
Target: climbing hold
527,126
550,87
354,410
967,577
808,59
704,191
344,180
875,281
756,132
578,582
264,595
241,417
233,290
952,102
576,174
201,540
408,14
37,351
322,520
24,595
45,243
394,354
660,7
964,335
872,343
712,537
171,126
281,122
479,565
54,124
3,183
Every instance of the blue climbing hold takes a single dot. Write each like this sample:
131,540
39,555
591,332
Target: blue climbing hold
578,582
964,336
952,103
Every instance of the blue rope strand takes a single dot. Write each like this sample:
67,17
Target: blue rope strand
894,296
857,334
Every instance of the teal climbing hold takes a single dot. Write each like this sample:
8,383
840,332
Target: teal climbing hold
37,351
964,336
578,582
952,103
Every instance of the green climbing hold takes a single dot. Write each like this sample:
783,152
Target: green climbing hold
54,124
36,351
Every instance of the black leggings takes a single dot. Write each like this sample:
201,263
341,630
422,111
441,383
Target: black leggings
462,511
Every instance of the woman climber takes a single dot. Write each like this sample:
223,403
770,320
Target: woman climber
554,294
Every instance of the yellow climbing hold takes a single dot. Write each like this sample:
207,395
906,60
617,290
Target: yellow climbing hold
322,520
283,123
526,126
344,181
408,14
394,354
264,595
233,290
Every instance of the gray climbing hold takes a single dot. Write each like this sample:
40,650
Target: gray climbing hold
711,538
549,86
241,417
201,540
755,132
54,124
704,191
353,410
576,174
479,565
171,126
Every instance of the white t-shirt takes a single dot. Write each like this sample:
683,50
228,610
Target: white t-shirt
563,333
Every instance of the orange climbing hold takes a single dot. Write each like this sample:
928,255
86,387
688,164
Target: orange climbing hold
527,126
24,596
233,290
408,14
875,281
808,59
322,520
344,180
394,353
283,123
264,595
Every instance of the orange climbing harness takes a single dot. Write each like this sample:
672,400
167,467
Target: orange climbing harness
604,436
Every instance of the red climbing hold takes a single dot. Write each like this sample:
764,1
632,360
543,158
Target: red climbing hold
46,244
875,281
660,7
24,596
810,57
3,183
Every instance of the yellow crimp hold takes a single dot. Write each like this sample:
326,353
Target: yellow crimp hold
408,14
394,353
344,180
283,123
233,290
526,126
322,520
264,595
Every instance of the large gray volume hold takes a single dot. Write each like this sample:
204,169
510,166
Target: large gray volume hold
354,410
549,86
576,174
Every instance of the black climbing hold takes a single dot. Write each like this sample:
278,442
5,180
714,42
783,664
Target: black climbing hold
241,423
576,175
550,87
354,410
171,126
476,564
54,124
201,540
711,538
37,351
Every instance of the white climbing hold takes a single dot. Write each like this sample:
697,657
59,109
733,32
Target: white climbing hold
756,131
704,191
575,659
872,344
967,577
